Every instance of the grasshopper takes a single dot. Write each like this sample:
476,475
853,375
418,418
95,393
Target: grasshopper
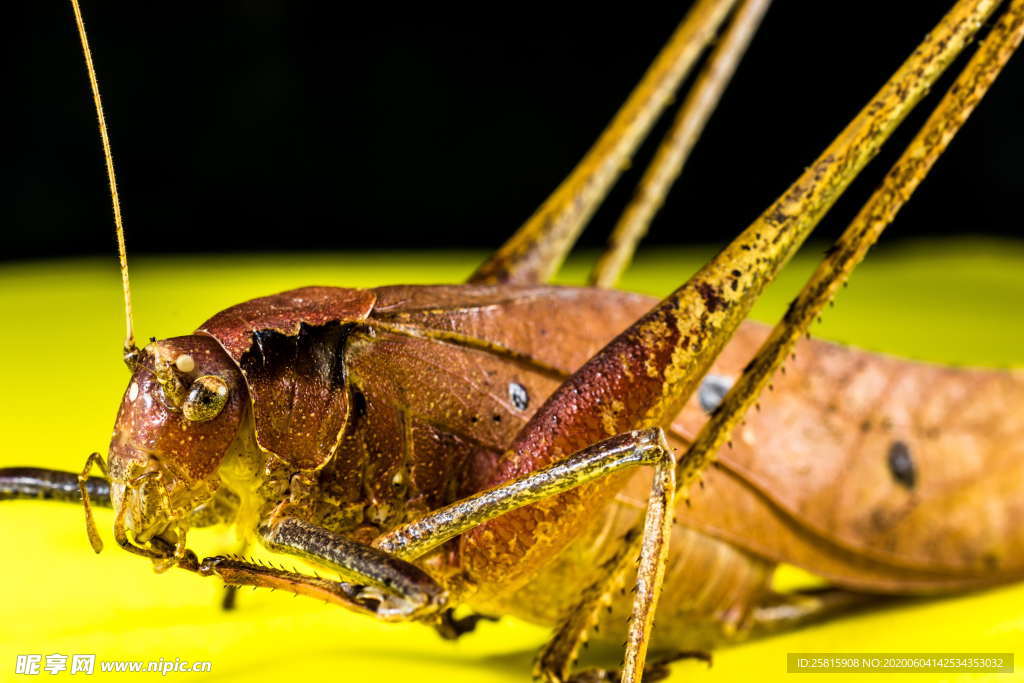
517,480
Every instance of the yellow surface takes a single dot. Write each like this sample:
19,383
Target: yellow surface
61,384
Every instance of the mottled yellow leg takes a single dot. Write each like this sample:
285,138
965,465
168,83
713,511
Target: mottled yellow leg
650,542
675,148
556,659
536,251
616,454
679,338
900,182
785,611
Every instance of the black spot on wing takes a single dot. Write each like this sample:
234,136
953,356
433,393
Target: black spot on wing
901,465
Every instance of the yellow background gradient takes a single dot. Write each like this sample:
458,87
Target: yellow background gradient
953,301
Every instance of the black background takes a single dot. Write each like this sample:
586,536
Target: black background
268,125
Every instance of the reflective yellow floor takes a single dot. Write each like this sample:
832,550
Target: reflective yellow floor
62,379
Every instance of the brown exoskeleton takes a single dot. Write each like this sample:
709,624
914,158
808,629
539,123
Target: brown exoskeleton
477,444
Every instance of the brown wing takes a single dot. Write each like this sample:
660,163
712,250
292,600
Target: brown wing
880,473
552,327
885,474
446,376
289,347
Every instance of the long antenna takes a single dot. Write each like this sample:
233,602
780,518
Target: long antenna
129,341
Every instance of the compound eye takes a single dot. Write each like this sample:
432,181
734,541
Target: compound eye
206,398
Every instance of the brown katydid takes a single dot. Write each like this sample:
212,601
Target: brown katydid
310,408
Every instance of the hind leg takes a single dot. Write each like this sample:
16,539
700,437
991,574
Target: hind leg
780,612
535,252
675,148
714,594
774,613
710,590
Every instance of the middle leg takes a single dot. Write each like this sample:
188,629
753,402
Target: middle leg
647,546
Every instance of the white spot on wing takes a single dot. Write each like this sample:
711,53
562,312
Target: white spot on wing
712,390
